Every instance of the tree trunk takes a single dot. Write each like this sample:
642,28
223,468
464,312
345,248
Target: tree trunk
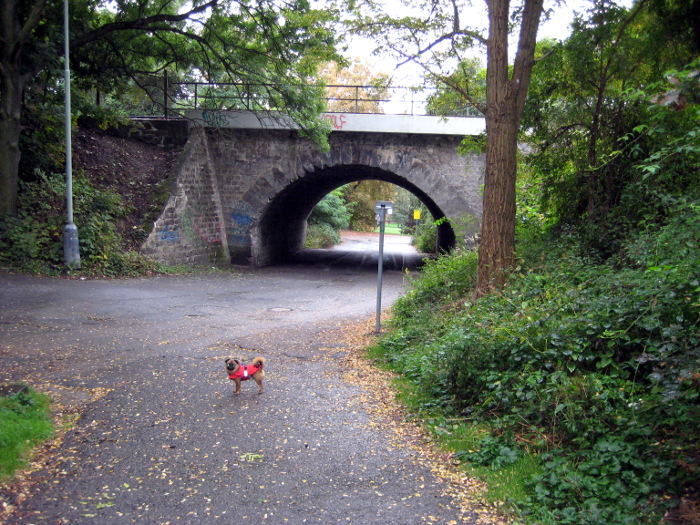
10,128
15,31
497,247
505,100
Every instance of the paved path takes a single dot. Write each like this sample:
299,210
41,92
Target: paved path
359,249
162,438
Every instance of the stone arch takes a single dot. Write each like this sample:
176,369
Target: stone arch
244,194
281,228
428,166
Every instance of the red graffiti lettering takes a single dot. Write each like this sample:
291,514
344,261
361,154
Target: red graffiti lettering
337,121
208,233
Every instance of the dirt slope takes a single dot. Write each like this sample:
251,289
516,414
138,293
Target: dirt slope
137,171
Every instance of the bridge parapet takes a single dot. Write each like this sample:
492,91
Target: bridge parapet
355,122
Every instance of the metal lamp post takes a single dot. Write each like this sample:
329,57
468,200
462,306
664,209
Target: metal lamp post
71,245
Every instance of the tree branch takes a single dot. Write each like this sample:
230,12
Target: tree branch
32,20
143,24
447,36
522,68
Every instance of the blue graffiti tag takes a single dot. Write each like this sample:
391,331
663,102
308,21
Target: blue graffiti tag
169,235
242,219
238,240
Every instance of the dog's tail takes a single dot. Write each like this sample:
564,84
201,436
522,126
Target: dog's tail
258,362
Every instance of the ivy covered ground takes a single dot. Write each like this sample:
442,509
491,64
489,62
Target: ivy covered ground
575,391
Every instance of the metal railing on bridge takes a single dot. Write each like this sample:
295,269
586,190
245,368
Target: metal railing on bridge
366,99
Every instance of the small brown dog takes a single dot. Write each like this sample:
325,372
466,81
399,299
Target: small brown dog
238,372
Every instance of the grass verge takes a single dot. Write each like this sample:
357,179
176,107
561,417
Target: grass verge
462,437
390,228
25,422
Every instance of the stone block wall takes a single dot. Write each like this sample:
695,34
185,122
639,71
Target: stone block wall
190,230
243,195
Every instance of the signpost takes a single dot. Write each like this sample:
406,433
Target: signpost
382,209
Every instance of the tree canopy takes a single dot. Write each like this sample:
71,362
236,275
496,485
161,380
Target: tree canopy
117,48
441,35
354,89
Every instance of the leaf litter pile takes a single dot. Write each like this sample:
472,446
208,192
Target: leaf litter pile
379,400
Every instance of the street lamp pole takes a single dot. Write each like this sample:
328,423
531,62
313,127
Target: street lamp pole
71,245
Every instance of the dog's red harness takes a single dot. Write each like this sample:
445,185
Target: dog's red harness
245,372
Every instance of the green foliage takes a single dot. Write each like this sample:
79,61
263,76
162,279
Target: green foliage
668,173
327,218
491,451
590,127
24,422
331,210
42,141
321,236
405,203
361,197
425,236
457,93
442,281
587,364
33,241
119,53
594,366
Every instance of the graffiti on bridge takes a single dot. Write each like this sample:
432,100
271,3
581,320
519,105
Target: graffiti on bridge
239,225
169,234
337,121
192,228
241,219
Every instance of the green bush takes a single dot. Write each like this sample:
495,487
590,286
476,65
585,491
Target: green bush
321,236
442,280
425,237
593,367
326,220
332,210
33,241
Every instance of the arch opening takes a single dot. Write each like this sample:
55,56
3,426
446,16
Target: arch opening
280,231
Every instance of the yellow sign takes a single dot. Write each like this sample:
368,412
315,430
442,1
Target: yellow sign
416,215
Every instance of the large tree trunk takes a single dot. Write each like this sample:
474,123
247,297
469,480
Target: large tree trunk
16,25
506,90
497,247
10,128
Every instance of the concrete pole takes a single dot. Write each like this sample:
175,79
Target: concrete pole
71,245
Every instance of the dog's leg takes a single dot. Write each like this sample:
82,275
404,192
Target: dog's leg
259,382
238,386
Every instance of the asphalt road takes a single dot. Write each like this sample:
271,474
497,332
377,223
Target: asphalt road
162,438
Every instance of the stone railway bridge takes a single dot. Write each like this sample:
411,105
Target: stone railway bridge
245,186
